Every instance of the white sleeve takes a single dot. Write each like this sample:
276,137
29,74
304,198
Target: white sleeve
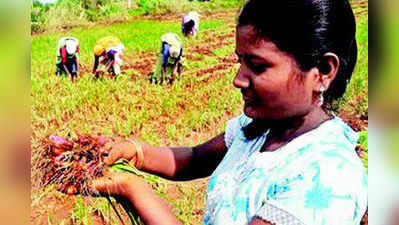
277,216
232,128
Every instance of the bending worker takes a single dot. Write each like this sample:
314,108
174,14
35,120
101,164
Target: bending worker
169,60
108,52
189,24
67,57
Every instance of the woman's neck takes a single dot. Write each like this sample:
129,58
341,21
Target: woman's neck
282,132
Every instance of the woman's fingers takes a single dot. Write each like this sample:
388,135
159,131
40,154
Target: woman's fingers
108,146
118,184
103,185
122,150
111,184
113,156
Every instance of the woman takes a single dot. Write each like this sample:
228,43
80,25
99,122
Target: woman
108,52
68,57
189,24
287,160
169,59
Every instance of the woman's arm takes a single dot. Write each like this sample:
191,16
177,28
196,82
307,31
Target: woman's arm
174,163
186,163
205,158
153,210
258,221
66,70
77,64
180,163
96,59
151,207
111,59
109,65
64,59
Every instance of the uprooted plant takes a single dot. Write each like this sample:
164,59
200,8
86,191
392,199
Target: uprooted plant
71,165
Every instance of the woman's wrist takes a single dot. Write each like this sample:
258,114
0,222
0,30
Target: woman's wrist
139,149
149,205
148,155
134,188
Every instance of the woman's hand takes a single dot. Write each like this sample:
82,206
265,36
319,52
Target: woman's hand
130,150
152,208
122,184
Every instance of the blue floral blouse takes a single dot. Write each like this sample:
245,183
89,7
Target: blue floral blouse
316,179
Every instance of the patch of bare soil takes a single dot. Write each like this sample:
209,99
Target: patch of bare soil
212,42
193,57
144,66
212,69
57,210
178,192
356,122
52,208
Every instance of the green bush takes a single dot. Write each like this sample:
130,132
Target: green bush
37,16
92,15
66,14
160,6
112,11
73,13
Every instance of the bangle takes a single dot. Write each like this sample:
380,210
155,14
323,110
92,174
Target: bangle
139,161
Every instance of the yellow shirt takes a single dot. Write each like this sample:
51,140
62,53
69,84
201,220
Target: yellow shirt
104,43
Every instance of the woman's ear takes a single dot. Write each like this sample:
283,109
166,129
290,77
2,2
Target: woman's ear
328,69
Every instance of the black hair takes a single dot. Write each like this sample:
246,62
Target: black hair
307,29
188,27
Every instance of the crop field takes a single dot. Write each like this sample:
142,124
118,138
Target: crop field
193,109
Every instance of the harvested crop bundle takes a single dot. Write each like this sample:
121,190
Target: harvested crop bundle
71,164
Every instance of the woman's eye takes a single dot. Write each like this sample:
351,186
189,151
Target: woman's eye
258,68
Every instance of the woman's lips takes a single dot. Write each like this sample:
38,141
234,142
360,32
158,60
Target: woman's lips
246,97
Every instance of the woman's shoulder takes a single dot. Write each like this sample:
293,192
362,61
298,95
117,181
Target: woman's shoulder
337,126
332,134
334,143
328,153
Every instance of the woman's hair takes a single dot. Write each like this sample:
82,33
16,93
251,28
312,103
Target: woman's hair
188,26
307,29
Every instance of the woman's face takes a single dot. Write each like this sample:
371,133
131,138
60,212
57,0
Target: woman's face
272,84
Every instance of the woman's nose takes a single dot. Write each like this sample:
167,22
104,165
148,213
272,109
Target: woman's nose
241,80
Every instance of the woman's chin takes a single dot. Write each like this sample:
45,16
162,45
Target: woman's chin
250,112
258,113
